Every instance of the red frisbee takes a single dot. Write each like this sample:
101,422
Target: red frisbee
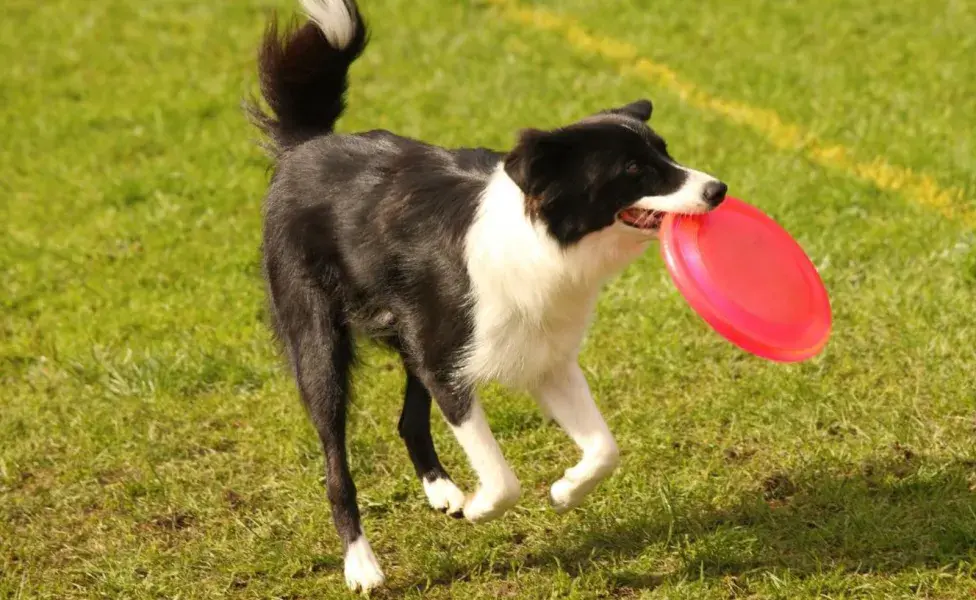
749,279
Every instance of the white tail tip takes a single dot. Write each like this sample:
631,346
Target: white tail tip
336,19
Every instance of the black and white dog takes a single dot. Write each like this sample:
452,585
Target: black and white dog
473,265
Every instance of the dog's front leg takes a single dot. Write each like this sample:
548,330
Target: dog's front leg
498,487
565,395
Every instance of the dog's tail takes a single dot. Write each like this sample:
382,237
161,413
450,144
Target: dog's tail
303,72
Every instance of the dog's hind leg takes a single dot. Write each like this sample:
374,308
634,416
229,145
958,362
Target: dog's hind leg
321,350
414,428
566,396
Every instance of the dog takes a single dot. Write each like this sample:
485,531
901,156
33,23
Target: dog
474,265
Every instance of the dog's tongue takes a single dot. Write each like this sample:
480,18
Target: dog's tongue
641,218
633,215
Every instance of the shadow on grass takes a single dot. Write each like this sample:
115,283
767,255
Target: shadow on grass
882,517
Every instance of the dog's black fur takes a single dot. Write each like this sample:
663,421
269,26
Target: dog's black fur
366,233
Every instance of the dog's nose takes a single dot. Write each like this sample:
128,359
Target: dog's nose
714,193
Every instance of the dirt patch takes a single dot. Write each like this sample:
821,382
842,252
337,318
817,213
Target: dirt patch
903,451
506,589
111,476
234,500
177,521
778,487
736,454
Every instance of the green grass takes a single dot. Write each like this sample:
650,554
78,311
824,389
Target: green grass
152,444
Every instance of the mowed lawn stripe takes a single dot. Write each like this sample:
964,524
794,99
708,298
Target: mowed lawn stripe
916,187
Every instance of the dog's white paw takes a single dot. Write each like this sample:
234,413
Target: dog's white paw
577,482
443,495
362,571
491,502
567,494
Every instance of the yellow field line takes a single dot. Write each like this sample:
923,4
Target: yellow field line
919,188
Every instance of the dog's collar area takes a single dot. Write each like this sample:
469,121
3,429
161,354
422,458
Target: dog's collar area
640,218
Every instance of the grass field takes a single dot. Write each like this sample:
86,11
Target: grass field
153,446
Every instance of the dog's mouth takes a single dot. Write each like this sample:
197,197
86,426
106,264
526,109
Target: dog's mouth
640,218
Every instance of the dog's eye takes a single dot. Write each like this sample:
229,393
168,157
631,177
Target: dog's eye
633,168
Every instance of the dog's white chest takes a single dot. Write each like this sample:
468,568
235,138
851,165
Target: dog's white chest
518,349
532,299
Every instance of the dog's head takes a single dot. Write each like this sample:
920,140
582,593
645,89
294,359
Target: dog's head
608,170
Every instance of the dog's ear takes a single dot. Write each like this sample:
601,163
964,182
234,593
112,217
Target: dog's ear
547,167
638,109
537,160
